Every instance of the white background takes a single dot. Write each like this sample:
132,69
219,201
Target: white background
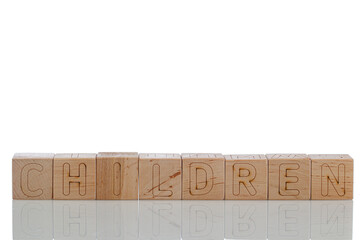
178,76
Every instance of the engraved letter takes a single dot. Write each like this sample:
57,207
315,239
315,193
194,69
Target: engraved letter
80,178
25,171
156,191
286,179
243,173
328,176
116,179
201,178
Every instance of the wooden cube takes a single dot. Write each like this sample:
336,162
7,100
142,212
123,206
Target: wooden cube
159,176
75,176
332,176
203,176
246,177
32,176
117,176
289,176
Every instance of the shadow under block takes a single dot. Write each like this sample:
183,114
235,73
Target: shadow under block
75,176
203,176
289,176
332,176
246,177
32,176
117,176
160,176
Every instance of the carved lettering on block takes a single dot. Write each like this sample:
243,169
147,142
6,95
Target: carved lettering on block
332,176
246,177
203,176
160,176
75,176
117,176
289,176
32,176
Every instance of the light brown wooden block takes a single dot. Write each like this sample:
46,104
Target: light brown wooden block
332,176
289,176
246,177
159,176
117,176
75,176
32,176
203,176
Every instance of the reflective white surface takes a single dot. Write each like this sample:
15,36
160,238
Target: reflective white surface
182,220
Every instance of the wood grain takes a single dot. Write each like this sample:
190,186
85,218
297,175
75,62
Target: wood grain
75,176
332,176
289,176
32,176
160,176
117,175
190,176
203,176
246,177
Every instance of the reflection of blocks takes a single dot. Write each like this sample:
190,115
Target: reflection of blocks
159,176
332,176
246,220
160,220
32,220
75,220
117,220
202,220
288,220
289,176
32,176
75,176
246,177
117,176
331,220
203,176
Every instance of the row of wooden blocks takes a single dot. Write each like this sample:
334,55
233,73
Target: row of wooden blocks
124,175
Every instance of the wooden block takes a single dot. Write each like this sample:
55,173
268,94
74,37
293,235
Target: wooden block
203,176
117,176
75,176
332,176
32,176
289,176
246,177
159,176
